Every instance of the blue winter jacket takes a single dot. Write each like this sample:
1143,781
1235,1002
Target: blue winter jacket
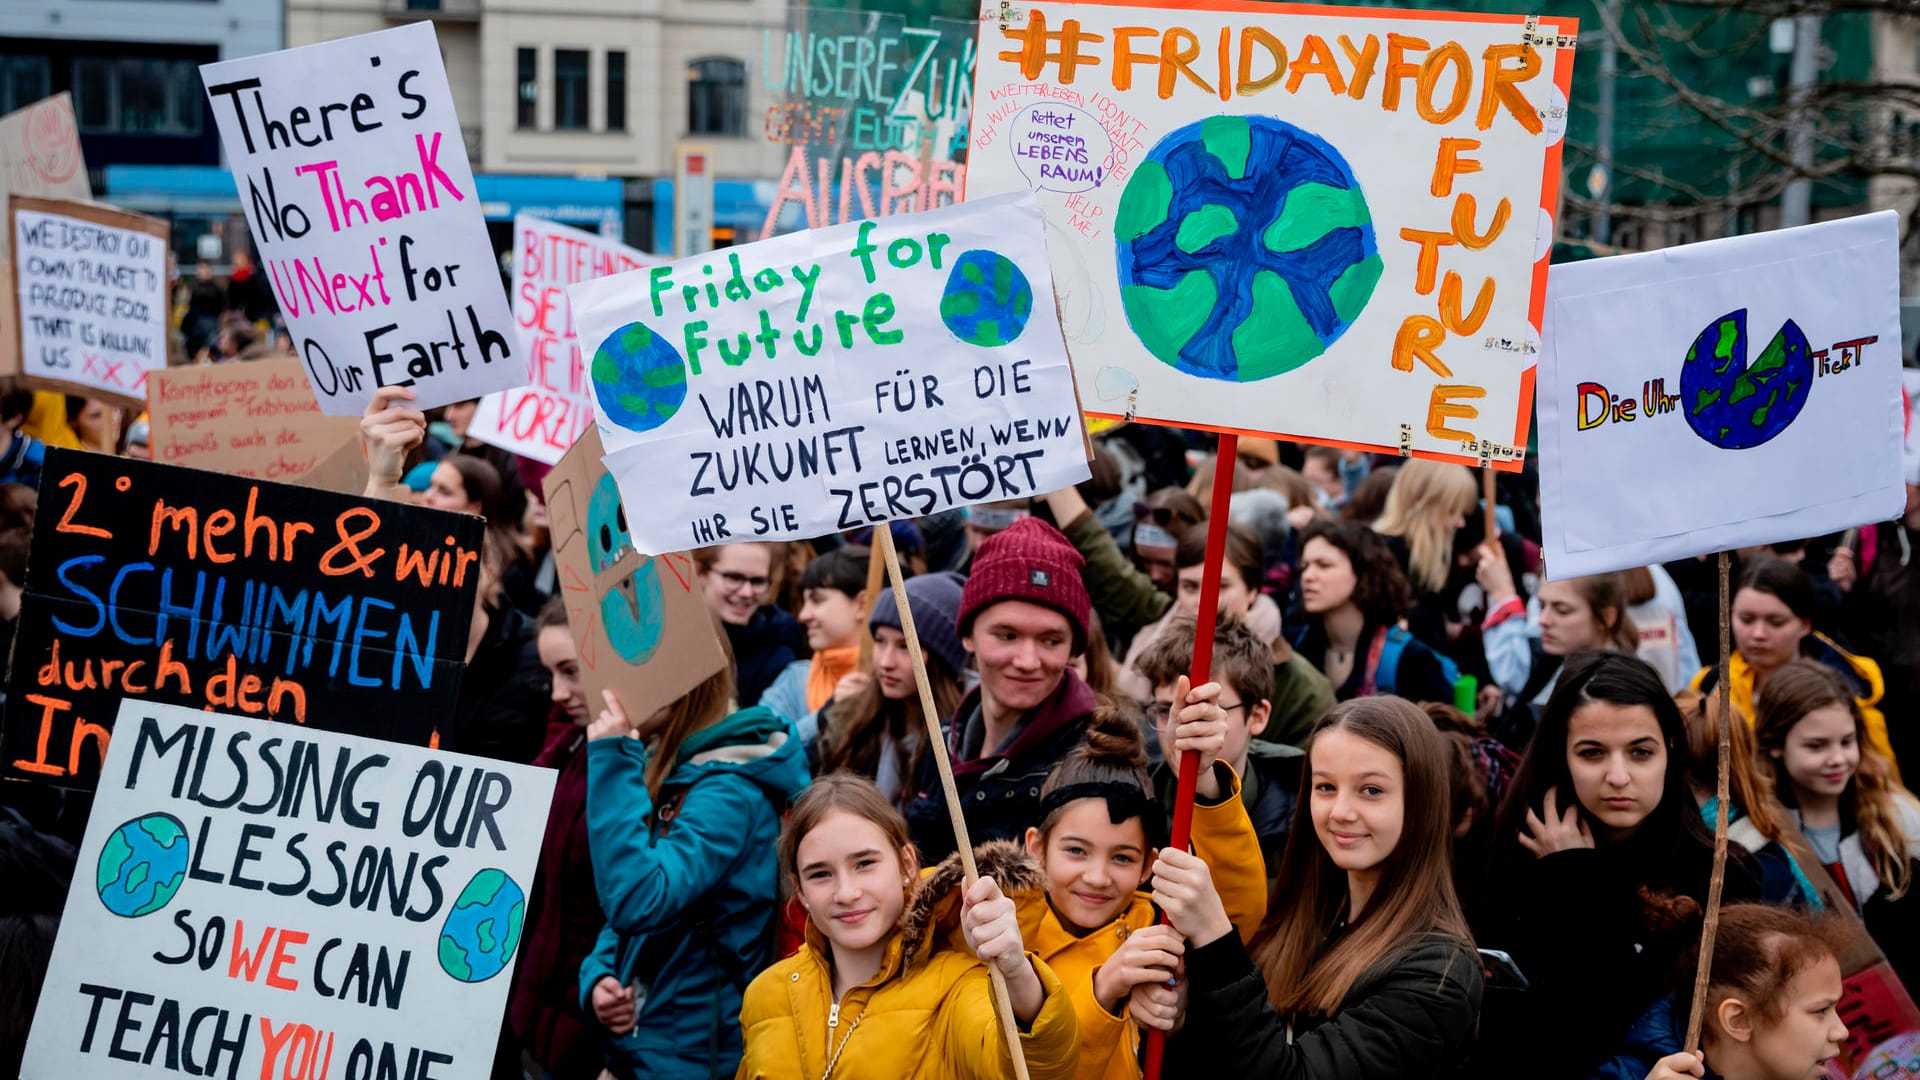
689,886
1660,1032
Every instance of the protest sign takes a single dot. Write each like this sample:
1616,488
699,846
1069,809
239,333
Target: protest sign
352,173
90,296
255,419
211,591
1327,224
39,155
874,113
825,380
639,623
281,902
543,418
1697,371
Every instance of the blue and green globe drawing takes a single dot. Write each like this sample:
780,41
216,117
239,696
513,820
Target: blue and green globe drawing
1245,248
142,865
1736,405
639,379
634,610
483,929
987,300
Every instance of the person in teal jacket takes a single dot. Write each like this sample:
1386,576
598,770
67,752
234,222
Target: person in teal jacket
683,812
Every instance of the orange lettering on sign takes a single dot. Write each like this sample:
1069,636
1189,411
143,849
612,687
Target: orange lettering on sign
1451,287
1419,336
1249,37
1400,69
1124,56
1498,85
1362,60
1450,53
1316,59
1178,48
1428,268
1463,215
1440,409
1452,164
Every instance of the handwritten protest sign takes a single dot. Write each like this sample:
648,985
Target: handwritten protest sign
276,602
344,470
255,419
39,155
91,295
824,380
639,623
282,902
543,418
1696,370
351,169
874,113
1328,224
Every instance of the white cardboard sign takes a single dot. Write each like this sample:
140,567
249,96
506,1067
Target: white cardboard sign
273,901
542,419
353,175
92,295
825,380
1716,395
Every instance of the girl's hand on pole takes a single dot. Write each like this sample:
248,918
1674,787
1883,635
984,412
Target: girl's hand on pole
1159,1006
1681,1066
1183,888
1200,727
1146,956
992,929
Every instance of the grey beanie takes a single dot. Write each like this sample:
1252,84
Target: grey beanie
936,610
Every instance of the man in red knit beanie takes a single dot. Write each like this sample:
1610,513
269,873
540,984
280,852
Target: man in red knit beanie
1023,616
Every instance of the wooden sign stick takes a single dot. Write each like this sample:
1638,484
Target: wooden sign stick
1489,501
1203,632
1724,796
930,712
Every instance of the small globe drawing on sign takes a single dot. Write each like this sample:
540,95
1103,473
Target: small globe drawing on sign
142,865
1737,405
482,931
1244,247
639,378
987,300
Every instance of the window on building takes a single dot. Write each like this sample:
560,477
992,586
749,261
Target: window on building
616,90
23,81
527,100
716,97
570,89
132,96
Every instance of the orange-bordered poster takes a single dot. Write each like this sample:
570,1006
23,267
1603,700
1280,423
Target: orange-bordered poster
1329,224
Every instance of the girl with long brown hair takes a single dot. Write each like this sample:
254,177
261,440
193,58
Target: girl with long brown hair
1756,820
683,808
874,726
1364,967
1859,820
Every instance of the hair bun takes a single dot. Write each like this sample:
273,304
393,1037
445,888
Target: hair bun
1114,738
1666,914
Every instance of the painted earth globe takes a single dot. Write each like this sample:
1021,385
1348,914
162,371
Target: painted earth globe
639,379
483,929
142,865
1737,405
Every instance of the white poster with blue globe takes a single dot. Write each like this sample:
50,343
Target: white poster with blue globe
1329,224
253,900
830,379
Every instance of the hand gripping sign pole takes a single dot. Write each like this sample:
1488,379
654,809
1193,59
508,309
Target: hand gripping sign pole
1203,630
930,712
1722,781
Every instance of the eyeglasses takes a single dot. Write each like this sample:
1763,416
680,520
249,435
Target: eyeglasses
732,582
1162,713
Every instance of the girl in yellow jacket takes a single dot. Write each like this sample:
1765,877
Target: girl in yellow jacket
879,991
1095,926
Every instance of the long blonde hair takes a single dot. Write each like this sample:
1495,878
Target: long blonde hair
1797,688
1424,495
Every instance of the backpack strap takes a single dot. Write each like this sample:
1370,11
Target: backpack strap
1386,677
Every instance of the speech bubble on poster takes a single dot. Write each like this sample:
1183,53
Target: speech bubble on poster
284,901
1060,148
542,419
277,602
1694,369
255,419
1322,224
826,380
90,296
353,174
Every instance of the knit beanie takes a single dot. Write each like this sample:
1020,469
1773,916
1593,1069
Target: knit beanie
936,609
1034,562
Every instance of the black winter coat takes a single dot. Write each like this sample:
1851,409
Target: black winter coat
1576,925
505,694
1409,1016
762,649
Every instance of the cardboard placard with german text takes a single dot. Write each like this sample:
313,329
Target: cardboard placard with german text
825,380
1329,224
210,591
354,178
639,623
90,296
1696,370
543,418
267,901
255,419
344,470
39,155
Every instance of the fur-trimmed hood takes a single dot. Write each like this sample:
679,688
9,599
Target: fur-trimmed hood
933,911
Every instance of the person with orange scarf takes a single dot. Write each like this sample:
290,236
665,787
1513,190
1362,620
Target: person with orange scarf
834,591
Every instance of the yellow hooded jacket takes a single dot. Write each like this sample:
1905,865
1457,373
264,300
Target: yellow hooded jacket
1223,836
1860,673
928,1014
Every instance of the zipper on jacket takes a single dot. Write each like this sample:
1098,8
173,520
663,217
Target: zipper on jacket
833,1016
